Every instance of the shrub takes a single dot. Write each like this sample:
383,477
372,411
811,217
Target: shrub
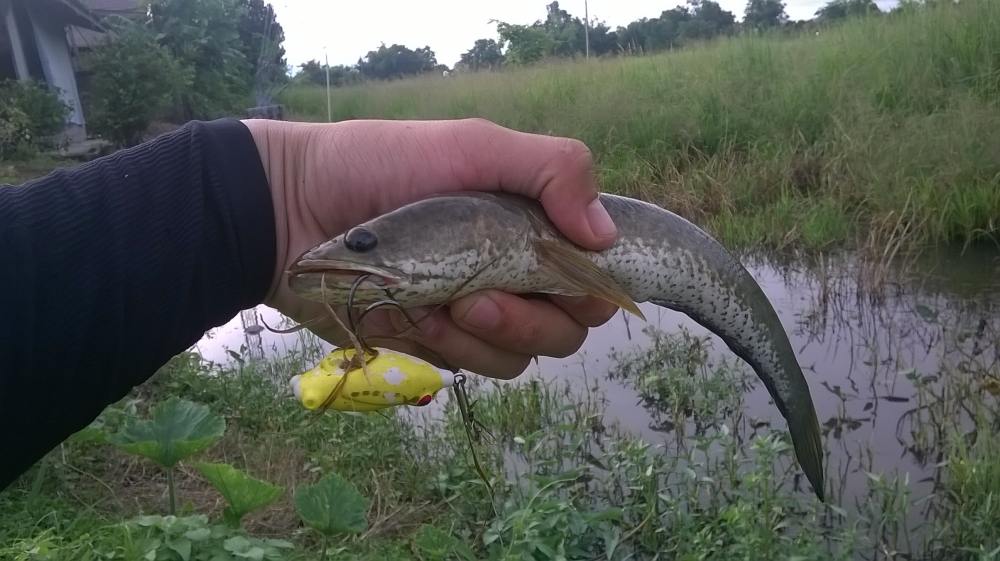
134,81
30,114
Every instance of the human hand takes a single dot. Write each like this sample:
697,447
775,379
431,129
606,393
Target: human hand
326,178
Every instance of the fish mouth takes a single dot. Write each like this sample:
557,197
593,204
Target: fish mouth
335,272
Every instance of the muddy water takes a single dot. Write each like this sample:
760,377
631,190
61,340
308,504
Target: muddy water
860,350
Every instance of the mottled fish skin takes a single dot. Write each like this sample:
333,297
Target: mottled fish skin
438,244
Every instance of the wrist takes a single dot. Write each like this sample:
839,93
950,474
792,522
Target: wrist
271,139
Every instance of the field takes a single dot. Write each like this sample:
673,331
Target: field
880,132
873,138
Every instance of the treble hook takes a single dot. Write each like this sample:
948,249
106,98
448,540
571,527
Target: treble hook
355,322
351,320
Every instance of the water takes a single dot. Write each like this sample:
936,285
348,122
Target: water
860,350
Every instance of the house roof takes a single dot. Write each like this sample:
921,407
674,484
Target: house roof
75,13
82,37
114,7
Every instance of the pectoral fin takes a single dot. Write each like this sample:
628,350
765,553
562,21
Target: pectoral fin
573,270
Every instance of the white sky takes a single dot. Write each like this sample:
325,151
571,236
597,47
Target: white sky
348,30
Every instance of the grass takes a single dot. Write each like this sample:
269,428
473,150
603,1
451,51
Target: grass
569,483
15,172
875,132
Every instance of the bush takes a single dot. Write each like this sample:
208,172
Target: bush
204,37
134,81
30,114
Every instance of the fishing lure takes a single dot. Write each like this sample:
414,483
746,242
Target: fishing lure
393,378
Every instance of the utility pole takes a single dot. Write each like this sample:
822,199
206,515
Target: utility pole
329,109
586,30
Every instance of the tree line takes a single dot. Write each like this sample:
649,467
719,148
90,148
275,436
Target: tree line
563,35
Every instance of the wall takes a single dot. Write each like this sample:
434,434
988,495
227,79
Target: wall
53,51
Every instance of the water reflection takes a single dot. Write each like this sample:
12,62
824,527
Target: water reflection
871,357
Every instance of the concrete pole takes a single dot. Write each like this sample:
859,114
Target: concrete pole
329,108
16,46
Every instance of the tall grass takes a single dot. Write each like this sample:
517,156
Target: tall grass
769,141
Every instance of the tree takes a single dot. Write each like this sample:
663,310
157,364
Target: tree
262,36
314,73
203,36
524,44
707,20
566,33
396,61
764,14
841,9
133,80
485,54
602,39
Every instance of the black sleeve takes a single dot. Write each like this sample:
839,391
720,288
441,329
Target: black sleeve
109,269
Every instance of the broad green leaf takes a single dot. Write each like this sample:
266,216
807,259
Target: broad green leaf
198,534
181,546
236,544
243,493
332,506
89,434
178,429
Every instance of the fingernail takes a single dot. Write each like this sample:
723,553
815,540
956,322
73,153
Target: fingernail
600,221
482,314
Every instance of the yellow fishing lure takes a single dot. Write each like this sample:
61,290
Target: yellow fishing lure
393,379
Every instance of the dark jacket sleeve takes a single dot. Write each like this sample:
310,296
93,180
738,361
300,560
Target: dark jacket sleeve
109,269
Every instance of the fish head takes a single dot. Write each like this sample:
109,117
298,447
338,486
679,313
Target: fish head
420,252
329,271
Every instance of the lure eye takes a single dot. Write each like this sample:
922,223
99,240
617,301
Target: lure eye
360,239
426,399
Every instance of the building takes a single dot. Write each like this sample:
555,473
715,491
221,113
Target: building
34,46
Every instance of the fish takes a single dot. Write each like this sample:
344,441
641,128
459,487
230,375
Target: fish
393,379
440,248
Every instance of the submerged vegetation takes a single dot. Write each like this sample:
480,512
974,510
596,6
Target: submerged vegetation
569,481
877,133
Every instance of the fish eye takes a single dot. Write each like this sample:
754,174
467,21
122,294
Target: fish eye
360,239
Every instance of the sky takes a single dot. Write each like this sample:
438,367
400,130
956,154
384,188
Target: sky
345,31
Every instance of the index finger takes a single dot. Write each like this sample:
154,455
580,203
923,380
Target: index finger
559,172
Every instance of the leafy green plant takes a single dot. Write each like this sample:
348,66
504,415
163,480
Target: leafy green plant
30,113
244,494
134,80
15,132
433,543
332,506
178,429
204,37
192,538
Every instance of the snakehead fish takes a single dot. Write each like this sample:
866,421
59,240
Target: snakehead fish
437,249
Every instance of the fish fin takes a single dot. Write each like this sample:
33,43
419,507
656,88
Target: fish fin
804,429
574,270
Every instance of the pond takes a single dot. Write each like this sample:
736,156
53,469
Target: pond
872,356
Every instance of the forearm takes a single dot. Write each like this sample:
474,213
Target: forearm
111,268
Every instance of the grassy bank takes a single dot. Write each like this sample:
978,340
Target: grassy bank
15,172
569,484
874,133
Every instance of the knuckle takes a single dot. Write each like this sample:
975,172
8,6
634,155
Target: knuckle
571,344
512,370
599,314
479,123
575,151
